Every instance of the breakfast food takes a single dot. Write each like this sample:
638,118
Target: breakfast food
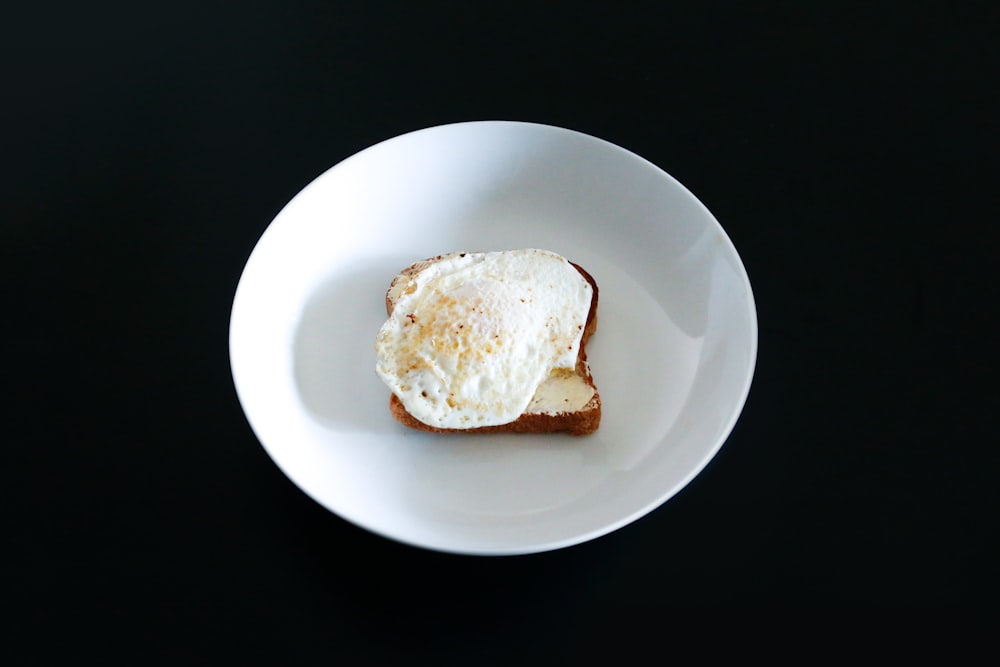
491,342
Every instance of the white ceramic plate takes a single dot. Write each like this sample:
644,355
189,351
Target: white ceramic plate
673,355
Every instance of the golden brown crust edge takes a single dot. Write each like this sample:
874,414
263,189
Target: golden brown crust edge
583,422
580,422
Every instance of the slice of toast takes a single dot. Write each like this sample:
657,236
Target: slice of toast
543,414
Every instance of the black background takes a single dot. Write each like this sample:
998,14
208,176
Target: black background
848,150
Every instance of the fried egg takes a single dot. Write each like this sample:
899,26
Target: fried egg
473,335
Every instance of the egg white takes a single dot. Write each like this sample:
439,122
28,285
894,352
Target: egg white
473,335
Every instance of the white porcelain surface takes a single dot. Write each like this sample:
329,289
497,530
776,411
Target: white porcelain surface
673,355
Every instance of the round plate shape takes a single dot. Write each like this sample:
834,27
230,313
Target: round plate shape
673,355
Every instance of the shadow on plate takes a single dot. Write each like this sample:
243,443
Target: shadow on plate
334,350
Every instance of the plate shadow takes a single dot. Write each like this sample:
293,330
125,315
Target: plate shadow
334,350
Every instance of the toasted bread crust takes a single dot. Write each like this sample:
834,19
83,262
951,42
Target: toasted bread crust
579,422
582,422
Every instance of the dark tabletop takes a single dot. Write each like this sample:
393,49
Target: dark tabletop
849,153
